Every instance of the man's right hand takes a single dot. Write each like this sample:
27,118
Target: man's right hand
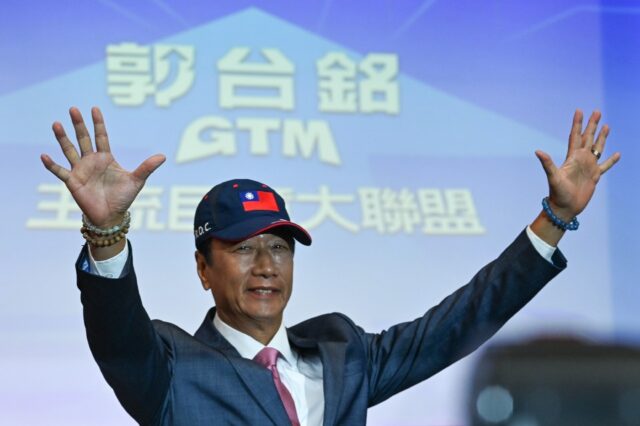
103,190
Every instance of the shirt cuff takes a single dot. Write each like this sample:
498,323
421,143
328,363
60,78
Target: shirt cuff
109,268
545,250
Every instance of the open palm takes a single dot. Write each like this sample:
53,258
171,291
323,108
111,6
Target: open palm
100,186
572,185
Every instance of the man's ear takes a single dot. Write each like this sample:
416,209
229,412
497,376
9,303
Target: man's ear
201,266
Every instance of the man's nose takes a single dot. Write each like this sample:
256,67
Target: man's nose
264,264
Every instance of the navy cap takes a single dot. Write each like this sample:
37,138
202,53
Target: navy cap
241,208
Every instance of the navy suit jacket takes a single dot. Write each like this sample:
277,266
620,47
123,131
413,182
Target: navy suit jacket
163,375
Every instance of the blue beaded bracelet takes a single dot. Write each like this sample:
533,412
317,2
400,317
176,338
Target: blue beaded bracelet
565,226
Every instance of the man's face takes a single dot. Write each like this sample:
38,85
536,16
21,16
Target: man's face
251,280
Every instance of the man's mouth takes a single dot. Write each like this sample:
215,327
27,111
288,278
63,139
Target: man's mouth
263,291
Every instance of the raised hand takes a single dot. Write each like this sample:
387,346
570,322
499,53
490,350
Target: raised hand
100,186
572,185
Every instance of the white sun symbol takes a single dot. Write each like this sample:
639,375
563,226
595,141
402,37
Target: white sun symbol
248,196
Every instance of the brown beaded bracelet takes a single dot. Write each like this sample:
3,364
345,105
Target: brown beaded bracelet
101,241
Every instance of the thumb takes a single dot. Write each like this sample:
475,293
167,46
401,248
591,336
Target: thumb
148,166
547,163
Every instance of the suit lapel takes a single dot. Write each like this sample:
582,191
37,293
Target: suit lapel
260,383
332,355
256,378
208,334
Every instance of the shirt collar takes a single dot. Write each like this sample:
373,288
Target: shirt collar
248,347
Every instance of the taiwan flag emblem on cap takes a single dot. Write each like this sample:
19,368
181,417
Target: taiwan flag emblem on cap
258,200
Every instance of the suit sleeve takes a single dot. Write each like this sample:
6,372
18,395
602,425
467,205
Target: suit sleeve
409,353
131,355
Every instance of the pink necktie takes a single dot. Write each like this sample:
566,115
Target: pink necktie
267,357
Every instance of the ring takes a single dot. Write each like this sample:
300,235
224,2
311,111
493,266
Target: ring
597,153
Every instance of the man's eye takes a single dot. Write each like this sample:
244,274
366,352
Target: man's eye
243,248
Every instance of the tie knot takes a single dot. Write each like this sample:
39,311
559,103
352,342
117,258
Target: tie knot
267,357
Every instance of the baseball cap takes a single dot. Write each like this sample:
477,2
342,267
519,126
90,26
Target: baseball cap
241,208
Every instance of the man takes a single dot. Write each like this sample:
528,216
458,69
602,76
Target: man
242,366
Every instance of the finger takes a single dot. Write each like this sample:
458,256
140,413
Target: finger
590,131
609,162
84,140
100,131
602,138
59,171
575,136
547,163
148,166
68,149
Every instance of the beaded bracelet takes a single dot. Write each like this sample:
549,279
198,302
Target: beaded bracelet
565,226
101,237
104,242
90,227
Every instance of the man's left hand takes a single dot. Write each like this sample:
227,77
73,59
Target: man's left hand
571,185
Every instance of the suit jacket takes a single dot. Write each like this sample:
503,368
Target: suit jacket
162,375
